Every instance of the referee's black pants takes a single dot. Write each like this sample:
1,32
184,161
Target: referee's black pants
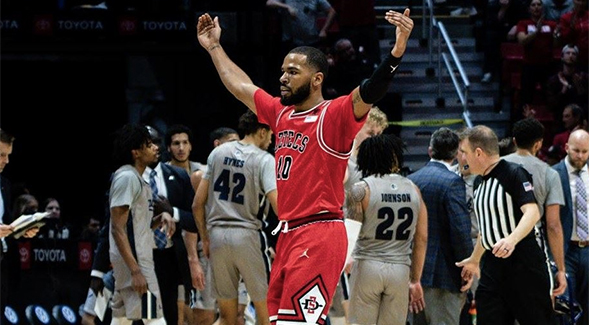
517,287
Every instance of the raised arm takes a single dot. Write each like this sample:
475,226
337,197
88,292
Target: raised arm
373,89
233,77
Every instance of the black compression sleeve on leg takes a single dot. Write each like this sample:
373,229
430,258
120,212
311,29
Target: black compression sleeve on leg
374,88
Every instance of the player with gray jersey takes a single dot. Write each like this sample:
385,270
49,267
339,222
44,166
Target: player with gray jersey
390,250
131,243
528,135
239,176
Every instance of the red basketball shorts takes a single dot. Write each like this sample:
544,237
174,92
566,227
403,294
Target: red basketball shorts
309,260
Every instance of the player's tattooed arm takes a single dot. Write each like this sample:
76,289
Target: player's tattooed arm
356,98
354,199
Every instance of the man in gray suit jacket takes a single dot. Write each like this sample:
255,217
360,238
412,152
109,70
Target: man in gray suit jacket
573,174
444,194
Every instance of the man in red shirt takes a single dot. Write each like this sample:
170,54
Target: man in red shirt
313,143
536,35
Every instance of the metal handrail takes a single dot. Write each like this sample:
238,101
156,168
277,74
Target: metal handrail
461,90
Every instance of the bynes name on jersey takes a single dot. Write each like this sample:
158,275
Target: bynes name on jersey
233,162
405,197
290,140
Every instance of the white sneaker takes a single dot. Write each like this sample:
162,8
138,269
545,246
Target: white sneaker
486,78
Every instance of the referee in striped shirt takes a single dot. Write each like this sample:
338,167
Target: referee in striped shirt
514,280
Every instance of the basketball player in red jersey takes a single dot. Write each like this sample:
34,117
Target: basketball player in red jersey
313,143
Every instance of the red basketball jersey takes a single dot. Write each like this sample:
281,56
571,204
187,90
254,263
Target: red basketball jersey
312,151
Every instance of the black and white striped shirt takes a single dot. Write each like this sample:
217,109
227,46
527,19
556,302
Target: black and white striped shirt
498,199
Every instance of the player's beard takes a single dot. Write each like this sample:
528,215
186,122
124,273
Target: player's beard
298,96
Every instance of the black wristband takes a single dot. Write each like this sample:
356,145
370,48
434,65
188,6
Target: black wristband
373,89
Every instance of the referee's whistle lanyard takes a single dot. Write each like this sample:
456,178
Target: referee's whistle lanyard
277,229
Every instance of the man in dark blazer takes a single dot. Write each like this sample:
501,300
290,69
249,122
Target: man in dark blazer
576,249
444,194
171,263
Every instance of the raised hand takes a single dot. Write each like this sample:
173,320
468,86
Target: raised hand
404,26
208,31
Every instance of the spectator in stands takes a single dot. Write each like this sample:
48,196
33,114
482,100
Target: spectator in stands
554,9
299,21
25,204
357,22
55,226
574,29
348,69
536,36
572,119
568,85
91,231
501,16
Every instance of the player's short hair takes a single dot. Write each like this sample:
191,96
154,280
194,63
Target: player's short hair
444,144
527,132
248,123
220,133
378,117
315,58
483,137
177,129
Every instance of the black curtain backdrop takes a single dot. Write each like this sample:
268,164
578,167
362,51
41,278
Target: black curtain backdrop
62,114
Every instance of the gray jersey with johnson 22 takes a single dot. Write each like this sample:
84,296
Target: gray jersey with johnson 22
234,199
389,222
